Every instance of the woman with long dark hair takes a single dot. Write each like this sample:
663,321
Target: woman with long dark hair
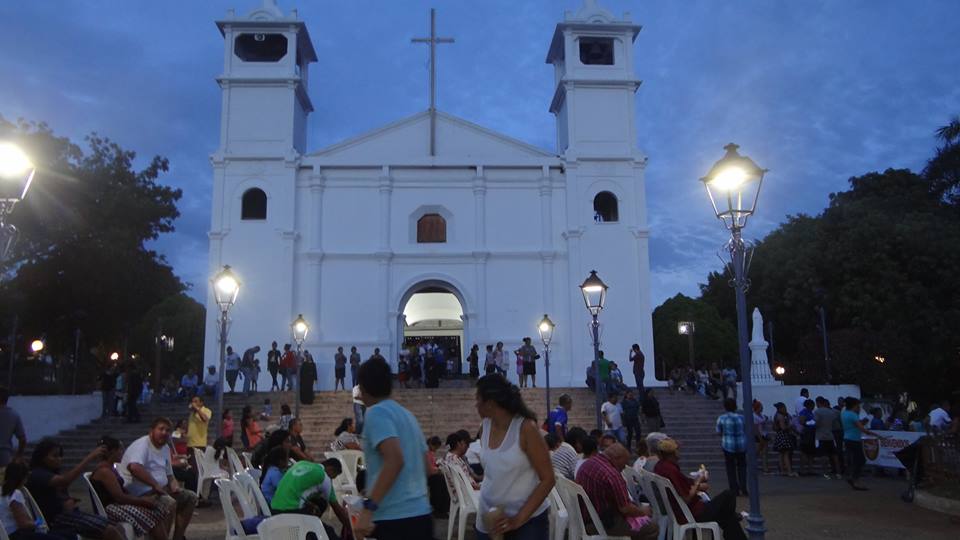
346,438
14,515
518,474
146,514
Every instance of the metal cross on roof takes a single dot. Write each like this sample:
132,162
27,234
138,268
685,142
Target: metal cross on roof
433,40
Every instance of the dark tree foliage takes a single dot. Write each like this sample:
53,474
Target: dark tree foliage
715,338
81,260
178,316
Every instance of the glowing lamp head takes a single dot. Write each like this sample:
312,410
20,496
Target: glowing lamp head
733,185
780,370
16,172
226,287
114,356
594,293
685,328
36,346
545,328
300,329
879,359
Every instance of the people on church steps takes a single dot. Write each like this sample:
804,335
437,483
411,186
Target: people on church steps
354,365
528,354
273,365
339,369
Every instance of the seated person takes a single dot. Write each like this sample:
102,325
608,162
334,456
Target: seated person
279,437
307,488
210,381
275,464
188,384
345,436
721,508
601,479
49,489
456,450
563,456
147,469
298,447
14,515
147,514
588,448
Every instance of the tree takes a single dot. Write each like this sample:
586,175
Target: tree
943,169
177,316
81,261
715,339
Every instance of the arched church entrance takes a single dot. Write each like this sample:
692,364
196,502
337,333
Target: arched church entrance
433,326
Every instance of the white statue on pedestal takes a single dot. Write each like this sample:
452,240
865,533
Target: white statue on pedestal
760,374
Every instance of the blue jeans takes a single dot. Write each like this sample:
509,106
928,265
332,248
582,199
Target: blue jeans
620,433
536,528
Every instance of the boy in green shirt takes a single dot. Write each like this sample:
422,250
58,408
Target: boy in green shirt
307,488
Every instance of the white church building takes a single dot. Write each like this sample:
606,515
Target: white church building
431,225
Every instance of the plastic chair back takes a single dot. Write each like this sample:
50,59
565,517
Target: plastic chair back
251,490
95,501
559,517
234,460
291,527
234,526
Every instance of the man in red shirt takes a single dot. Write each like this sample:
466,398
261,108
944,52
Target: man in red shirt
601,479
288,368
721,508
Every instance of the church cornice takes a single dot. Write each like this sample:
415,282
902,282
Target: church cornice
566,85
452,257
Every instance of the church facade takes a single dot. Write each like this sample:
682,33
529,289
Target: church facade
347,235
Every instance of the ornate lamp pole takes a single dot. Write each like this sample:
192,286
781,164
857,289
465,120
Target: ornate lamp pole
226,287
300,328
594,296
545,328
733,184
16,173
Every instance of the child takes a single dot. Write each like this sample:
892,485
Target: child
267,410
14,515
402,371
286,415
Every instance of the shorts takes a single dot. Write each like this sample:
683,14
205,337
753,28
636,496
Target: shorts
340,372
529,368
827,448
81,523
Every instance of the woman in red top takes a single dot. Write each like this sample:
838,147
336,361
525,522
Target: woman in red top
722,508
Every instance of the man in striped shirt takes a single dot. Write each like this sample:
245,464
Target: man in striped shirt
563,456
734,444
601,479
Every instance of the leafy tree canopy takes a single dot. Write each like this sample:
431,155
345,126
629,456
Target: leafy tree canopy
714,341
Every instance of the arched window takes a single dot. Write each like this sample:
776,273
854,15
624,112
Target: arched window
254,204
431,228
605,207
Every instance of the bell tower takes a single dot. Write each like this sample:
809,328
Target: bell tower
265,103
593,100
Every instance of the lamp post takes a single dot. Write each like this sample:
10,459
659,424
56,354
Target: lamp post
733,185
545,328
300,329
226,287
687,328
16,173
594,296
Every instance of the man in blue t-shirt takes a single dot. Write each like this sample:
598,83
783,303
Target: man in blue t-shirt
397,506
853,432
557,419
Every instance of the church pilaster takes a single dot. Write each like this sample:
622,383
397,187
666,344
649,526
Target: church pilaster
384,259
385,187
576,340
546,238
480,253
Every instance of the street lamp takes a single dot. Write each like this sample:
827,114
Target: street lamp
300,330
114,356
545,328
16,173
687,328
36,346
226,287
594,296
733,185
879,359
780,370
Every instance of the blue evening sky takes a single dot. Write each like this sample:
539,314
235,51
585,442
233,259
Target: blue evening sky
816,91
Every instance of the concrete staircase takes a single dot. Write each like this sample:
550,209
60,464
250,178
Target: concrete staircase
690,419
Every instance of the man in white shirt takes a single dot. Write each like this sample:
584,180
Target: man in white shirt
146,468
231,366
612,414
801,399
940,417
210,381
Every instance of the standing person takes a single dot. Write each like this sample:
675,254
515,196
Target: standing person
146,468
273,365
108,384
197,424
145,513
473,360
604,368
762,422
733,441
784,440
637,359
650,408
396,506
247,367
602,480
490,361
376,354
231,368
808,438
518,474
798,404
612,414
10,426
354,365
339,369
729,382
557,419
825,418
853,432
500,359
631,418
134,389
256,376
49,488
528,356
288,367
308,376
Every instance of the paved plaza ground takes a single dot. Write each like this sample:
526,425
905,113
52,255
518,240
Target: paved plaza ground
794,509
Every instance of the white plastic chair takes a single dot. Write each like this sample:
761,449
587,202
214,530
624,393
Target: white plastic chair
247,458
668,494
345,483
634,486
254,473
291,527
250,488
234,529
468,499
559,517
235,463
34,511
95,501
208,470
451,491
573,495
660,513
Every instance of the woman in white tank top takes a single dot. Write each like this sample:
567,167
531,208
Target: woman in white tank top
518,474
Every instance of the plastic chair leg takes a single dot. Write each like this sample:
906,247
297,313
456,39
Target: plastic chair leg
451,520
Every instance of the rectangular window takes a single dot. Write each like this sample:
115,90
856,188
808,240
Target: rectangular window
596,51
431,228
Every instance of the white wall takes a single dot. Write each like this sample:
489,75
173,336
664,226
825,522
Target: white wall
48,415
